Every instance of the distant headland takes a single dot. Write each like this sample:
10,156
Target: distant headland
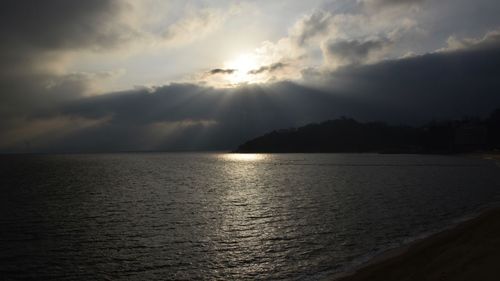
471,134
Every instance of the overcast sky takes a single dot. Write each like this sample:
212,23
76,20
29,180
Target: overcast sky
114,75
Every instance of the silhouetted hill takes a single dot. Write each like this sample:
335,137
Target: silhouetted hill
349,135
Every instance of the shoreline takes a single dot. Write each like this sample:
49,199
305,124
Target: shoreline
466,250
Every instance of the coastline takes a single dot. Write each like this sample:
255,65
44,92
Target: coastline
469,250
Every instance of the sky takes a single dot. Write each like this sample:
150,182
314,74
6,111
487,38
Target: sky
143,75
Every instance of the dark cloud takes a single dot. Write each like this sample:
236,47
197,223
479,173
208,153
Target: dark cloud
203,118
488,41
354,51
411,90
50,112
392,2
221,71
37,36
60,24
315,24
268,68
396,2
438,85
37,39
22,94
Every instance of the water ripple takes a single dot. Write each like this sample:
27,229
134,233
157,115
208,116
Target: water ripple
222,217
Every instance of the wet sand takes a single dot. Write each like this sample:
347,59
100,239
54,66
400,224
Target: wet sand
470,251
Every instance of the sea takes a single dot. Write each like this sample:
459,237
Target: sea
223,216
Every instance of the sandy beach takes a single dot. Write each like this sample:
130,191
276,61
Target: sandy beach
470,251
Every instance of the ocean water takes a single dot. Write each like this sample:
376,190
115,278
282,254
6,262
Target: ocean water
216,216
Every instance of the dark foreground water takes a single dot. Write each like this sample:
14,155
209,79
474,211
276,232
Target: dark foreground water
220,216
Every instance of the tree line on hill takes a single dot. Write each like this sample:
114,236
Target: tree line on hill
348,135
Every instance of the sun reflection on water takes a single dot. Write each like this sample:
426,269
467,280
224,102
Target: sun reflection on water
245,157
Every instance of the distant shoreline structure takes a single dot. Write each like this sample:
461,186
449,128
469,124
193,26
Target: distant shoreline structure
346,135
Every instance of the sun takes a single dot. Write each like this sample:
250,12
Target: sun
242,66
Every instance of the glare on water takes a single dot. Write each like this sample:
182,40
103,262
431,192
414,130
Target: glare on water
192,216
